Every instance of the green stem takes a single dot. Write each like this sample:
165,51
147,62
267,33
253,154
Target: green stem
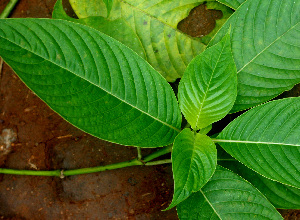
163,151
158,162
129,163
9,7
31,172
139,154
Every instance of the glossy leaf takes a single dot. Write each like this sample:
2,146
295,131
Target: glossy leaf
234,4
281,196
111,28
93,81
227,196
208,88
266,49
194,160
167,49
266,139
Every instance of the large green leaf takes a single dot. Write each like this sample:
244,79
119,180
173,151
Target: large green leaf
227,196
167,49
194,160
234,4
93,81
111,28
265,44
267,140
208,88
281,196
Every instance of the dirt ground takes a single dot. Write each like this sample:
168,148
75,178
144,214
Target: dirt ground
37,138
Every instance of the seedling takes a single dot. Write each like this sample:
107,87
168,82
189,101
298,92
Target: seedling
111,92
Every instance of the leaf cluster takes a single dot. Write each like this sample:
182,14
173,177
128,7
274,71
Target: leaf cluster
107,73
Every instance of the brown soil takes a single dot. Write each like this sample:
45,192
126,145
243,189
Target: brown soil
33,137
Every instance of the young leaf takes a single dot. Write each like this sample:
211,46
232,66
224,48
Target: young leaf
234,4
167,49
194,160
266,139
266,49
227,196
281,196
111,28
93,81
208,88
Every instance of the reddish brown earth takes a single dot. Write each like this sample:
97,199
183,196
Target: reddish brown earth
33,137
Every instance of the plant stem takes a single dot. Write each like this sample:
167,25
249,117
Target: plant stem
61,173
139,154
163,151
158,162
9,7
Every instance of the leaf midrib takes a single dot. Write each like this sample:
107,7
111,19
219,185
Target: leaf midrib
207,89
146,113
252,142
267,47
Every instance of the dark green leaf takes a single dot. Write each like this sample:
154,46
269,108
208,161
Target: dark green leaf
93,81
194,160
267,140
208,88
266,49
227,196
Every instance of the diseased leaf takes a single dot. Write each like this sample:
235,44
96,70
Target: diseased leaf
111,28
266,48
208,88
93,81
234,4
168,50
281,196
267,140
194,160
227,196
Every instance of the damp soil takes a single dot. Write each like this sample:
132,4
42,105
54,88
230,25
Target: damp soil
34,137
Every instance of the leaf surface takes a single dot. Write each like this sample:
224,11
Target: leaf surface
167,49
281,196
266,48
194,160
208,88
234,4
266,139
93,81
111,28
227,196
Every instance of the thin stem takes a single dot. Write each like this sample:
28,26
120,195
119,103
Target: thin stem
158,162
31,172
9,7
163,151
129,163
139,154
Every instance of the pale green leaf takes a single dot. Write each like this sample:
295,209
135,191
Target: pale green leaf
93,81
265,45
267,140
167,49
111,28
281,196
227,196
194,160
234,4
208,88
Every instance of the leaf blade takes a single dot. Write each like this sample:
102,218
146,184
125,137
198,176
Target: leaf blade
265,48
208,89
227,196
266,139
68,72
194,160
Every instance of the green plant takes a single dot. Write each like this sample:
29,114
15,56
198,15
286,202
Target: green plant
106,89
